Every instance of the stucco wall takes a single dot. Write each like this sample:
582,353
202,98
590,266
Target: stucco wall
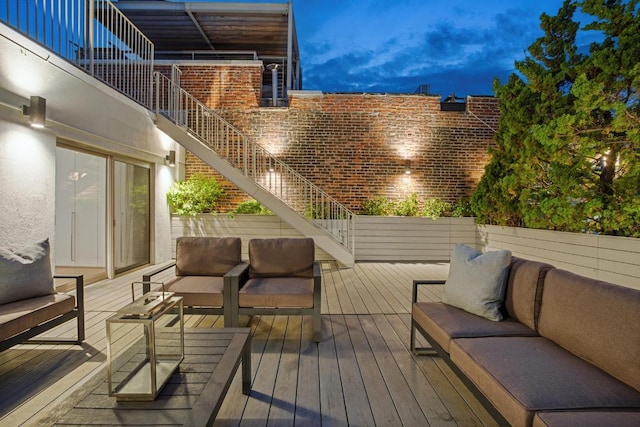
82,112
27,184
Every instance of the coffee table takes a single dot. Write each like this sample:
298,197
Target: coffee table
192,396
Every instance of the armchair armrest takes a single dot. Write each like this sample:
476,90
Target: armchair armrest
79,287
416,283
146,278
79,301
317,277
233,281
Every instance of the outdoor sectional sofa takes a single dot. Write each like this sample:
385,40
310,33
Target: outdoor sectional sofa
566,354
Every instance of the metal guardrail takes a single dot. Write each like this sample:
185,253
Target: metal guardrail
254,161
92,34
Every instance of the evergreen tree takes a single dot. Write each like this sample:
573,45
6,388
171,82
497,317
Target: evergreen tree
570,128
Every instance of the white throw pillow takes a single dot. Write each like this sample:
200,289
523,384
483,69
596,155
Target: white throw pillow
477,281
25,273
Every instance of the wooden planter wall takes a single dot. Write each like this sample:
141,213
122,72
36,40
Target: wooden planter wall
402,239
377,238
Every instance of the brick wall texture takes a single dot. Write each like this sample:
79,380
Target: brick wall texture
353,146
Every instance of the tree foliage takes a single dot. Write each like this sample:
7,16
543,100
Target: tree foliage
568,141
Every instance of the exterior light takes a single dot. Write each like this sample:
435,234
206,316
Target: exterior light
407,167
271,165
37,111
171,158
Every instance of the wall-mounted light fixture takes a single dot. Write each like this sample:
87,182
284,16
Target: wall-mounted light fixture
37,111
407,167
272,167
171,158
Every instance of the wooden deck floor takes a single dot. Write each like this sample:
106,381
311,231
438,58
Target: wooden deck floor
361,374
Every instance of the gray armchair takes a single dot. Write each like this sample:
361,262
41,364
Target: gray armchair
203,266
282,278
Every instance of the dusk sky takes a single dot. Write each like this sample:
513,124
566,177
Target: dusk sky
396,45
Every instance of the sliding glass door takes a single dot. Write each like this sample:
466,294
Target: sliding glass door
93,191
131,215
81,195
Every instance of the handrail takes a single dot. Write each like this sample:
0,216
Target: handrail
93,35
254,161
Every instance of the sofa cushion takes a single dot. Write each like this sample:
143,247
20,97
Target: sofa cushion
207,256
25,273
284,257
596,418
277,292
595,320
19,316
444,322
205,291
524,290
477,281
523,375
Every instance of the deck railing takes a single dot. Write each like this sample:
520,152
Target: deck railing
92,34
254,161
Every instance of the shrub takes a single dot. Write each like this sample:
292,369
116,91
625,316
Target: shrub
408,207
379,205
435,208
252,207
198,194
461,208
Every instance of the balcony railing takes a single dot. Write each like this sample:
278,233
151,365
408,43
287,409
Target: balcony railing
254,161
92,34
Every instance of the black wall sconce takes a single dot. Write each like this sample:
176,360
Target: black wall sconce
171,158
407,167
37,111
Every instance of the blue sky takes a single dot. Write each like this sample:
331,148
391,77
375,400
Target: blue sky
396,45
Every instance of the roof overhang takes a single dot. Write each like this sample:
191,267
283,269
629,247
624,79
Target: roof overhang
264,28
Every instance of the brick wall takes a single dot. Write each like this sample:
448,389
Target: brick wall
354,146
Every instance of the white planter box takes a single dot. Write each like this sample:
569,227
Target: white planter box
377,238
609,258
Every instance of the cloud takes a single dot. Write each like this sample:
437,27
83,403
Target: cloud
461,55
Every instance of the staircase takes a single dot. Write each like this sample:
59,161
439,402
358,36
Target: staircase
254,170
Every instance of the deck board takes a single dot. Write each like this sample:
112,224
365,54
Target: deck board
360,374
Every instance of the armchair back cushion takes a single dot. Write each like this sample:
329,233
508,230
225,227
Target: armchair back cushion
207,256
25,273
284,257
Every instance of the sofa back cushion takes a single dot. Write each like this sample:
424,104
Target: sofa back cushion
524,290
284,257
25,273
595,320
207,256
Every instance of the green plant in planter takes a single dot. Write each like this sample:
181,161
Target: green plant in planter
379,205
196,195
408,207
252,207
461,208
435,208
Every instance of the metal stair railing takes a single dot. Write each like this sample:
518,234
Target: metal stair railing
254,161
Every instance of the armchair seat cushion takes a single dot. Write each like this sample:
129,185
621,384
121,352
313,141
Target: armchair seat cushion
25,314
443,323
196,291
281,292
